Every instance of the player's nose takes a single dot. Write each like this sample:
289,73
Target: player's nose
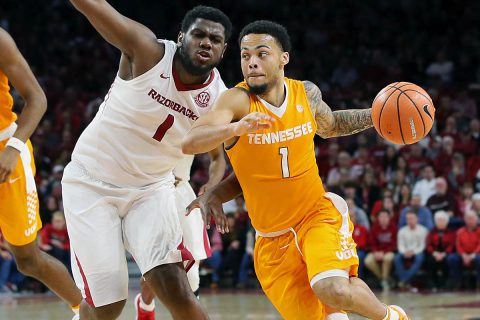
205,43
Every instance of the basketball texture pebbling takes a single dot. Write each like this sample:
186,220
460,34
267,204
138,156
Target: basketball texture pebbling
403,113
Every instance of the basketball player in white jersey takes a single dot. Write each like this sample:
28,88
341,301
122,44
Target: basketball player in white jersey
118,191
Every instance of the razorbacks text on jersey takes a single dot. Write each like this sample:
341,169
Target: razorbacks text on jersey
135,138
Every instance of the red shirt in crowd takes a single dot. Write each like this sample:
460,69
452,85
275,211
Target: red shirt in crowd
468,241
384,240
49,233
440,241
360,236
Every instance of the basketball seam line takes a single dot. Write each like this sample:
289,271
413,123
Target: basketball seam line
398,113
386,100
419,113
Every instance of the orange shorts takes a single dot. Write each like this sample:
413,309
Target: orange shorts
319,247
19,215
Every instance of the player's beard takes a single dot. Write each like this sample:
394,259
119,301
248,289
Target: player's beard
190,67
258,89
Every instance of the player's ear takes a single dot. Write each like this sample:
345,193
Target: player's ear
284,58
180,37
224,49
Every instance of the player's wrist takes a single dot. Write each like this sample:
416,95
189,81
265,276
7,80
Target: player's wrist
15,144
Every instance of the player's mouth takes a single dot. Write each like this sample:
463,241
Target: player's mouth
204,56
255,76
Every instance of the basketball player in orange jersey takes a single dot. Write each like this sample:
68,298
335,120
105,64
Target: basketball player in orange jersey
19,217
305,256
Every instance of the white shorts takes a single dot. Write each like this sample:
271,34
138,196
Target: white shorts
103,220
195,235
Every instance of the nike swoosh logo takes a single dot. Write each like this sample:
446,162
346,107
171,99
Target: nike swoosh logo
13,180
163,76
425,108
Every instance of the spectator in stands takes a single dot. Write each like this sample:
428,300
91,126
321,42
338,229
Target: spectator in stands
404,197
402,165
6,264
442,68
440,244
465,144
443,161
475,129
386,203
389,162
54,239
411,241
369,190
383,244
442,199
360,236
329,161
476,204
468,250
361,217
465,199
247,259
424,215
343,167
350,191
464,107
417,159
458,174
425,187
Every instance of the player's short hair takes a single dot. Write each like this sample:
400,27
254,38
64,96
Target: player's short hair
207,13
271,28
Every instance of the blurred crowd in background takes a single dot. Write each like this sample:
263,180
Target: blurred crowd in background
416,207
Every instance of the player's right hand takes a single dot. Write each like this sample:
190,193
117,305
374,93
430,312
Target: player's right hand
210,205
8,162
253,122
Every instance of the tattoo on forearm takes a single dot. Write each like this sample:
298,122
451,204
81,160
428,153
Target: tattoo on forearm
339,123
352,121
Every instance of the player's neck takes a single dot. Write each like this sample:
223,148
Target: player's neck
275,95
186,77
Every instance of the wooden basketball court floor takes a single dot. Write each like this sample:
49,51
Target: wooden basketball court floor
252,304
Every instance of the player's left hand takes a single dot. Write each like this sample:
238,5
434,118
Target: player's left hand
8,162
210,205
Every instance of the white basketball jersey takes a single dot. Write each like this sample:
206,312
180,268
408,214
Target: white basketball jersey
135,138
183,168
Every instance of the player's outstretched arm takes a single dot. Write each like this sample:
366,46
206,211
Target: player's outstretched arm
336,123
216,170
132,38
216,127
210,203
20,75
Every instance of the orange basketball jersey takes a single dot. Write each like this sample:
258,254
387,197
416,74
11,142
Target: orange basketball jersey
276,168
6,102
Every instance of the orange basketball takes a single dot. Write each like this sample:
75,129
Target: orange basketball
403,113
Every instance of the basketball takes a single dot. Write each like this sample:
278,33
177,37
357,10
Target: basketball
403,113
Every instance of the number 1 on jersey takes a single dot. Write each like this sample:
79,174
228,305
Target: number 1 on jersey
162,129
283,151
